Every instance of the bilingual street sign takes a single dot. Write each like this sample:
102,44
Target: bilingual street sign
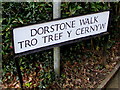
37,36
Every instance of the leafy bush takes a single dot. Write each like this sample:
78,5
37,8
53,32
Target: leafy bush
19,14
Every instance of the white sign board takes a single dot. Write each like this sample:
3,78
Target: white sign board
45,34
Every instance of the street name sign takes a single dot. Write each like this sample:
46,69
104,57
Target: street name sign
37,36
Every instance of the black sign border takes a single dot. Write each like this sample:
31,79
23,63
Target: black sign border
62,43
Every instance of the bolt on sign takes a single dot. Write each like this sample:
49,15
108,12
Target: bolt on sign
55,32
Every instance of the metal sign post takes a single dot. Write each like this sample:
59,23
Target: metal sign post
56,14
19,72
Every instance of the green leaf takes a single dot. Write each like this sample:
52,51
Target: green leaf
42,5
20,20
28,14
28,84
79,7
